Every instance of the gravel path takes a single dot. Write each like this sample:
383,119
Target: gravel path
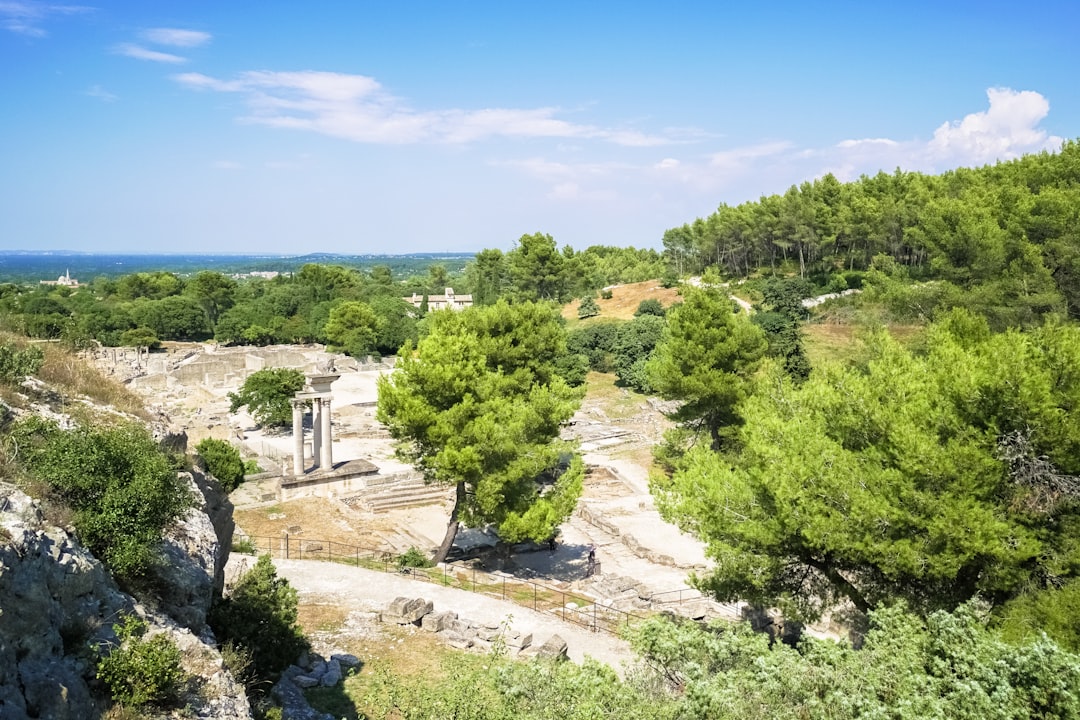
369,590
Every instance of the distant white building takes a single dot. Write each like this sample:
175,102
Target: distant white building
64,280
438,302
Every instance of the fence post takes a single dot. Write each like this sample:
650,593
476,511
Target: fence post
284,545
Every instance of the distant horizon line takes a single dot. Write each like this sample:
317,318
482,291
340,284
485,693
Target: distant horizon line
237,253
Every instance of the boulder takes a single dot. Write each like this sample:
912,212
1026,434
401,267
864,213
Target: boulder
332,676
305,681
346,660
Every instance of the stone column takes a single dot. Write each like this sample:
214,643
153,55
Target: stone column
316,431
298,437
327,456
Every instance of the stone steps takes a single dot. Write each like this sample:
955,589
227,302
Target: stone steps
411,493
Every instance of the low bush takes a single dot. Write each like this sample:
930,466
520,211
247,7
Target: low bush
122,488
259,615
141,671
222,460
413,557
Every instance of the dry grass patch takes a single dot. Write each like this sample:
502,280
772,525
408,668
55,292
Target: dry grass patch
828,342
624,301
321,617
318,518
75,376
616,402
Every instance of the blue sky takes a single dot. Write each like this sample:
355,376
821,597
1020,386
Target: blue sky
376,127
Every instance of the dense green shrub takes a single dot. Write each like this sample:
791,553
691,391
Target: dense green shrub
16,363
649,306
259,615
595,341
222,460
140,337
573,368
141,671
634,343
948,665
413,558
123,488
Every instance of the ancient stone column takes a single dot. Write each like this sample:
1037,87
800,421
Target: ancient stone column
298,437
316,431
326,456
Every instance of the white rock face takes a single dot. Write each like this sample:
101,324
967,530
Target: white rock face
196,550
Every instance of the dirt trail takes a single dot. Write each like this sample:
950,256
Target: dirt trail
354,589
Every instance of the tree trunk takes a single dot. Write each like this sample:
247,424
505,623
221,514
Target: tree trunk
451,527
841,583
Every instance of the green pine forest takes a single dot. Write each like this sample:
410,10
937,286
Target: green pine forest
919,484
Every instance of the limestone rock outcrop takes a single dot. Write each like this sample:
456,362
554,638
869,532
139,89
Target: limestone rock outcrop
196,550
58,605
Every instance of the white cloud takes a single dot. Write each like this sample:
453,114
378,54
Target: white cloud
26,17
866,142
176,37
140,53
96,91
357,108
227,165
1006,130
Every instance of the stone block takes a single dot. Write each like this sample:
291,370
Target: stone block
456,640
518,641
311,546
305,681
554,648
438,621
661,559
405,611
488,634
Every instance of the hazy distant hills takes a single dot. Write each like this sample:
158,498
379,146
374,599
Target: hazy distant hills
26,266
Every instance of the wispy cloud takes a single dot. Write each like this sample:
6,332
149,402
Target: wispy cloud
176,37
227,165
357,108
27,17
141,53
1008,128
96,91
